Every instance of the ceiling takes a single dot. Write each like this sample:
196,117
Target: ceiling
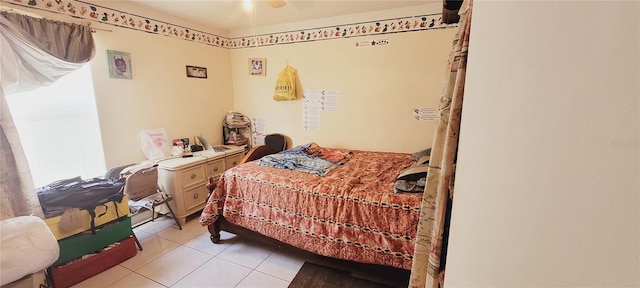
230,15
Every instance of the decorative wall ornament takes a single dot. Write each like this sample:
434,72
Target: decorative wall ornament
96,13
196,72
119,64
258,66
380,27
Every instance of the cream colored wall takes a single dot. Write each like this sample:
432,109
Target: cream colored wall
159,95
379,88
547,189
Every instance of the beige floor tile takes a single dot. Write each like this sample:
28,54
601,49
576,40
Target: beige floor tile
215,273
284,263
152,248
260,280
158,225
164,262
174,265
203,243
141,234
134,280
247,253
105,278
189,230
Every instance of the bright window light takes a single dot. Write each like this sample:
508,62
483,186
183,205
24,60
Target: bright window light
59,129
248,5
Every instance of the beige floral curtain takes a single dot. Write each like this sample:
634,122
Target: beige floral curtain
35,52
430,252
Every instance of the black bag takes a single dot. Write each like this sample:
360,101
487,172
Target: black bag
77,193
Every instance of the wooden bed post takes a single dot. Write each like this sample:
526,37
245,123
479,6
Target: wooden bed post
253,154
214,228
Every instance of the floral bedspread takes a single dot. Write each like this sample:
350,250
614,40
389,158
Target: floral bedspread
351,213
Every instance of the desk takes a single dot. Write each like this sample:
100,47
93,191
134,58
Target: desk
186,178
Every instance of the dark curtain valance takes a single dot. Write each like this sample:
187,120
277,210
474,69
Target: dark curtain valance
66,41
36,52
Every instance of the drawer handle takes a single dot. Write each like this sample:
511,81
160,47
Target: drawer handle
195,196
235,162
193,176
215,169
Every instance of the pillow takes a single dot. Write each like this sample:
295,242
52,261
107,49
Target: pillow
28,246
424,160
421,153
412,179
413,173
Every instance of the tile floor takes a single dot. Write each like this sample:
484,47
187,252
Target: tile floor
187,258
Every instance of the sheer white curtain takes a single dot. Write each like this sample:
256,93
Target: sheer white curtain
34,52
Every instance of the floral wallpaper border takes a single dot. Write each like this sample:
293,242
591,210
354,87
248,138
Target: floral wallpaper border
97,13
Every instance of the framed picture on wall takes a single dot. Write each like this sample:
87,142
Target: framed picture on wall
258,66
196,72
119,64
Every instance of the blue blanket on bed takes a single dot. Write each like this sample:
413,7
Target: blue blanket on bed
298,159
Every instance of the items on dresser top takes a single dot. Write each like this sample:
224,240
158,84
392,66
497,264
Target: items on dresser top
155,143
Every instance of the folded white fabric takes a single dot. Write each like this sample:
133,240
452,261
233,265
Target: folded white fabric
27,246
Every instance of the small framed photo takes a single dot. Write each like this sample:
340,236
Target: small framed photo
196,72
258,66
119,64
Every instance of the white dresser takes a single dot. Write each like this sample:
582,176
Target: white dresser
185,178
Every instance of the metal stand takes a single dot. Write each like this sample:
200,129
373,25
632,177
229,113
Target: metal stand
158,202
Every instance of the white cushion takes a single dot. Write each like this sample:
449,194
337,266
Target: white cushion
27,246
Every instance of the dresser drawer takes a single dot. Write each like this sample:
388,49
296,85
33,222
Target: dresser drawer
216,167
194,197
192,176
233,160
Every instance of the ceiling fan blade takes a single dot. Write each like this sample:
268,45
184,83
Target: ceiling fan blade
276,3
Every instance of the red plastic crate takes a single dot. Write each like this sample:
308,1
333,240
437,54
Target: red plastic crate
66,275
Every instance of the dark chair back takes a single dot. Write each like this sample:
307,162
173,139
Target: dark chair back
276,141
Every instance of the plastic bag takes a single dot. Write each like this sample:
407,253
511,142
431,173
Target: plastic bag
154,143
286,84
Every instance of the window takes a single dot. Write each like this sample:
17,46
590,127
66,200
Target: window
59,129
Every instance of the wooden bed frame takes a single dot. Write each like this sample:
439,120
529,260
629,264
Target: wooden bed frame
222,224
392,276
395,277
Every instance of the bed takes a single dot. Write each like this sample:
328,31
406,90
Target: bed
351,213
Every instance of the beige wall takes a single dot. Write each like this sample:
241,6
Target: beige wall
159,95
379,88
547,189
